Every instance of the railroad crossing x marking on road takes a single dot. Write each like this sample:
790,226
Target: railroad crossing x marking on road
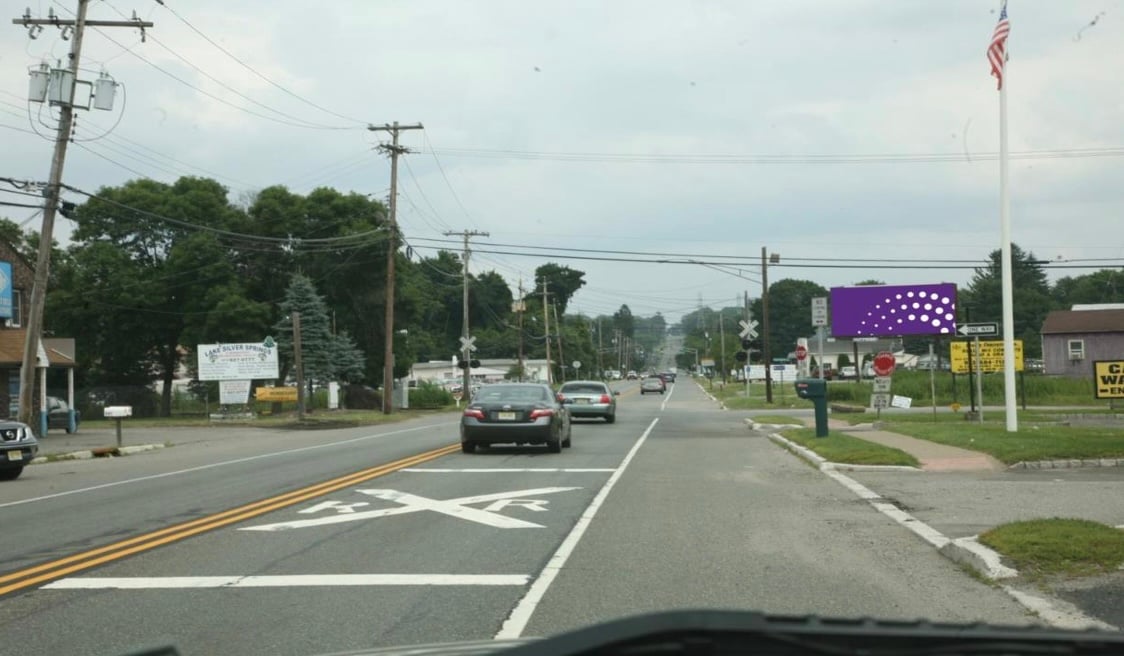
411,503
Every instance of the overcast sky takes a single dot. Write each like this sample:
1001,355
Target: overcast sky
520,82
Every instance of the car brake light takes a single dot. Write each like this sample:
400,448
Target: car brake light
542,412
605,399
474,412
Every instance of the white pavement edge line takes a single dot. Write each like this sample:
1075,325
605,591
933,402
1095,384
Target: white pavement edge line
520,616
964,551
224,463
286,581
1059,614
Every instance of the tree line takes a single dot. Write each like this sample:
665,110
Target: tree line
154,269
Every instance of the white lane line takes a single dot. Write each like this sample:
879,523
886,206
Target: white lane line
509,470
283,581
220,464
1055,613
520,616
667,398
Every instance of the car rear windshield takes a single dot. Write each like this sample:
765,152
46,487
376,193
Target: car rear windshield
511,394
577,388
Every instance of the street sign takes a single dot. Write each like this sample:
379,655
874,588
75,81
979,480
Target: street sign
1109,376
901,401
276,394
577,364
880,400
884,364
749,328
882,384
986,329
991,356
468,343
819,311
801,352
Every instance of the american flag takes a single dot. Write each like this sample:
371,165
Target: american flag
997,49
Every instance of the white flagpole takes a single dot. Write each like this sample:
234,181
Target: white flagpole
1005,236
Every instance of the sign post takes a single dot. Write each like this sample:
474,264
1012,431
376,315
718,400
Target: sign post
819,320
802,358
979,381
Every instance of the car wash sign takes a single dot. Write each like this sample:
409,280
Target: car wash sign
238,361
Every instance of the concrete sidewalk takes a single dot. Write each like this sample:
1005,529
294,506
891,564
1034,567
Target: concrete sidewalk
932,456
58,442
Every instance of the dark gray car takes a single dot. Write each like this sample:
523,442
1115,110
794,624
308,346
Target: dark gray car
515,413
589,398
18,447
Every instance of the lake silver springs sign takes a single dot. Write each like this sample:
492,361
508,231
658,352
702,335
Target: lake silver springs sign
238,361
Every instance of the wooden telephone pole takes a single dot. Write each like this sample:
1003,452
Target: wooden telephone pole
394,150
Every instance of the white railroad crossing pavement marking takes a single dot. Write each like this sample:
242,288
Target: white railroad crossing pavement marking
459,508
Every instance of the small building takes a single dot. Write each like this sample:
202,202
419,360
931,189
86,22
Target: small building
489,371
16,278
1073,339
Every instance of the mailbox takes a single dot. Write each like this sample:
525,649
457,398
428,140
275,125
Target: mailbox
815,390
114,411
811,388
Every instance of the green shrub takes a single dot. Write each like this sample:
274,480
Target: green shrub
428,396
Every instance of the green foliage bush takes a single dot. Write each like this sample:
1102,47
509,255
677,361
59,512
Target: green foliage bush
427,396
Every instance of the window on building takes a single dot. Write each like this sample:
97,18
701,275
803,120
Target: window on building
17,310
1076,349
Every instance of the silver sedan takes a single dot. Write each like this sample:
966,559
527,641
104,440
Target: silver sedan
589,398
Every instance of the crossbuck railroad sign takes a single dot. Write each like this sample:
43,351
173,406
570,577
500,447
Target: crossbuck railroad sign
468,343
411,503
749,328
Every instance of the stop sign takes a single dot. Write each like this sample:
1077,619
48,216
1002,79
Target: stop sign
801,352
883,364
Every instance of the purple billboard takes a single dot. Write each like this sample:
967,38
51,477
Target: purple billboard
888,310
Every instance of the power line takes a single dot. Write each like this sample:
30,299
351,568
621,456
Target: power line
441,168
735,159
254,70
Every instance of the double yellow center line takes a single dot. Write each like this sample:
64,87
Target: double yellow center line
38,574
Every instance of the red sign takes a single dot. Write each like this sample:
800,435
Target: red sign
801,352
884,364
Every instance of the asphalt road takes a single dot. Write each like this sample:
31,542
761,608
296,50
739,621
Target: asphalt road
675,505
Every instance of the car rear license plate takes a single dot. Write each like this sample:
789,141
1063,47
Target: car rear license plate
505,416
13,456
582,400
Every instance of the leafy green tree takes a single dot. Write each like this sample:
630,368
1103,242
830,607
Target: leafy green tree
151,265
490,301
348,362
790,303
1031,293
623,322
316,338
562,283
1104,286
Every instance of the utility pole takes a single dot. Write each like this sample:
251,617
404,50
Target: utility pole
298,363
600,361
546,322
466,353
394,150
766,357
558,327
52,192
722,353
522,307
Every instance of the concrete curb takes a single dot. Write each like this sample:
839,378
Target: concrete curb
103,452
983,559
710,396
1068,464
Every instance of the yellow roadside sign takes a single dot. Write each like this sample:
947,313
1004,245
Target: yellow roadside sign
991,356
275,394
1109,376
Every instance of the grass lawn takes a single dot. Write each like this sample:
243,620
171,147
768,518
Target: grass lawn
1044,547
839,447
734,398
1031,442
777,419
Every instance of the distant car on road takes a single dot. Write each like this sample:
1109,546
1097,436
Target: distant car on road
632,375
589,398
652,384
515,413
18,447
668,376
58,414
848,373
